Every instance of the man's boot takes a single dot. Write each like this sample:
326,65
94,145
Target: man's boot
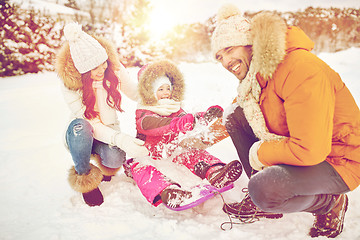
247,211
331,224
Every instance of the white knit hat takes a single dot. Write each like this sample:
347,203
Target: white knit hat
159,82
232,29
86,52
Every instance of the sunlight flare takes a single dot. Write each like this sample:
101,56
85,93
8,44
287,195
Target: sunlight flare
161,22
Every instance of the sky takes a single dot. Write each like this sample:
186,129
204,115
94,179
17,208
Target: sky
167,13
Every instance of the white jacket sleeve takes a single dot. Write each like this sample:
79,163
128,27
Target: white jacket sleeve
74,101
104,133
127,86
132,146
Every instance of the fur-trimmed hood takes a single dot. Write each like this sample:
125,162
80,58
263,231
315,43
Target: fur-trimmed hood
65,67
151,72
272,40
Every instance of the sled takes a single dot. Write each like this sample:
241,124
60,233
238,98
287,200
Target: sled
201,193
218,131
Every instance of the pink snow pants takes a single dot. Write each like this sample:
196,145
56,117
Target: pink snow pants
152,182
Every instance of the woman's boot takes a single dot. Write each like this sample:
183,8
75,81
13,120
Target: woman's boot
87,184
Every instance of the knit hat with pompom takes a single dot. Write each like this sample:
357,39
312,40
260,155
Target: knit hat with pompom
86,52
232,29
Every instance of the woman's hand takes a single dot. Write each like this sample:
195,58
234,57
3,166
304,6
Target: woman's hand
132,146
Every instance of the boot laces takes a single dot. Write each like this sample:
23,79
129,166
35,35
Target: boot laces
241,220
330,220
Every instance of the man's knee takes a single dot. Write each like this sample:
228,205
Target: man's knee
258,193
265,190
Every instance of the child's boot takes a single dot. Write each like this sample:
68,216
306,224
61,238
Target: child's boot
173,196
225,175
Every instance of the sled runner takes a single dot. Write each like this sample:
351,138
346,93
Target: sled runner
200,194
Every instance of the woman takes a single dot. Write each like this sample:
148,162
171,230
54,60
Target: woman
92,76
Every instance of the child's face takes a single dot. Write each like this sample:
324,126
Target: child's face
163,92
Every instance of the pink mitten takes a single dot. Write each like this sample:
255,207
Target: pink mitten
182,124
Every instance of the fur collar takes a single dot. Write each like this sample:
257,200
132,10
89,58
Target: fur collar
269,49
152,72
66,70
269,43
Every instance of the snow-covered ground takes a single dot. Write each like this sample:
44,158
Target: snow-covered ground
37,203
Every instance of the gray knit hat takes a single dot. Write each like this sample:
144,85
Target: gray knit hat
232,29
86,52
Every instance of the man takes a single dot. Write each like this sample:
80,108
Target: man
296,126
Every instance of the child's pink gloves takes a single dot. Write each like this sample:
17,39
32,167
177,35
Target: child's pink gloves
182,124
186,122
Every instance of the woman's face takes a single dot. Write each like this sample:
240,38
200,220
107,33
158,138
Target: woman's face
98,73
163,92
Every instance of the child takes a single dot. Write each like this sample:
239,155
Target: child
159,120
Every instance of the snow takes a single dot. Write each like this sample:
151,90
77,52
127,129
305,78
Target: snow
37,202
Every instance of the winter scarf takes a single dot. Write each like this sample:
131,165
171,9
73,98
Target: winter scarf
107,113
248,98
269,44
165,107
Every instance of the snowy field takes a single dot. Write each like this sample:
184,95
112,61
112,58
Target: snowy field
37,203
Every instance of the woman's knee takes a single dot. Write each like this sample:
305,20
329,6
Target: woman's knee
79,137
79,126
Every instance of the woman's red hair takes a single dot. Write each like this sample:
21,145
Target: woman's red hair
110,84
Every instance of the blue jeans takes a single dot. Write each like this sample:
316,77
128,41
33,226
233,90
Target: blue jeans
284,188
81,143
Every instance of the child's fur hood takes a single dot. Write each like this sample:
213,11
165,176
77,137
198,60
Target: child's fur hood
269,42
65,67
157,69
